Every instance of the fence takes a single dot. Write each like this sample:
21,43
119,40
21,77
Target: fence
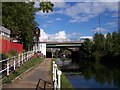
56,77
10,64
6,46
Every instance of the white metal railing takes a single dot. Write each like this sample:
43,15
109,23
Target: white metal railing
56,77
10,64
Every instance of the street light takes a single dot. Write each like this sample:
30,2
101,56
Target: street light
20,37
37,35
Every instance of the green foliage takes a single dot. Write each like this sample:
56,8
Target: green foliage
19,17
13,52
101,46
46,6
86,48
65,84
66,52
5,56
99,42
102,73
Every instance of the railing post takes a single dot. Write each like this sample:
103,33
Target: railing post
22,57
27,55
19,60
53,69
8,66
14,62
59,75
32,53
55,78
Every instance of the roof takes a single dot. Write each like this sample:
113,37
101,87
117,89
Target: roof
5,30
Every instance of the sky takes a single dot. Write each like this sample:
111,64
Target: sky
72,20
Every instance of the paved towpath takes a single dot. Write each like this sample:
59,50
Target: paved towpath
31,78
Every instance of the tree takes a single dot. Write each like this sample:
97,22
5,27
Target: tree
99,40
108,44
87,48
46,6
19,17
116,43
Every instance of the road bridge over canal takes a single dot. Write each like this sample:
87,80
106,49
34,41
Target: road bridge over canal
61,45
41,47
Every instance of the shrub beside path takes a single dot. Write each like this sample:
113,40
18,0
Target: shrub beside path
31,78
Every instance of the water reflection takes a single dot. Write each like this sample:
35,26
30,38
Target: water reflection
95,75
80,82
66,64
101,73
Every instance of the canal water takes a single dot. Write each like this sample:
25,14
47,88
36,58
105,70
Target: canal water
79,81
93,75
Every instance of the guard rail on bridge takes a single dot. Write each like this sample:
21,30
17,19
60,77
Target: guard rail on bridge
10,64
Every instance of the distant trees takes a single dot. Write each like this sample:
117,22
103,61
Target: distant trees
102,47
19,17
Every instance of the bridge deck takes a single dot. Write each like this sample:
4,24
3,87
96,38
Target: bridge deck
58,45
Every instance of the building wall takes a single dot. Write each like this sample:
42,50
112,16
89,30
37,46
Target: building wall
4,33
6,46
42,48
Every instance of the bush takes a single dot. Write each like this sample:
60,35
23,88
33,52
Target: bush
5,56
13,52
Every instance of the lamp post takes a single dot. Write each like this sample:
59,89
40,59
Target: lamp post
37,35
20,37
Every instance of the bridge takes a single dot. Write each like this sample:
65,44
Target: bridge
47,44
61,45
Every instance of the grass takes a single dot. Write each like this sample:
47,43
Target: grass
23,68
65,84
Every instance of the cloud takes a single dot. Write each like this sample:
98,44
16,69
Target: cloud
82,12
36,5
80,0
99,30
59,5
112,24
44,26
58,19
74,34
50,21
45,14
115,14
43,35
59,36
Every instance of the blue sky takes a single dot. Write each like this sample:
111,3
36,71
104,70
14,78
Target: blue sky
75,19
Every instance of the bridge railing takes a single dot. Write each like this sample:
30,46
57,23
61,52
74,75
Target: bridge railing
10,64
56,76
60,40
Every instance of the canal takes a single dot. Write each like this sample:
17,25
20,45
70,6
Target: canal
89,74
